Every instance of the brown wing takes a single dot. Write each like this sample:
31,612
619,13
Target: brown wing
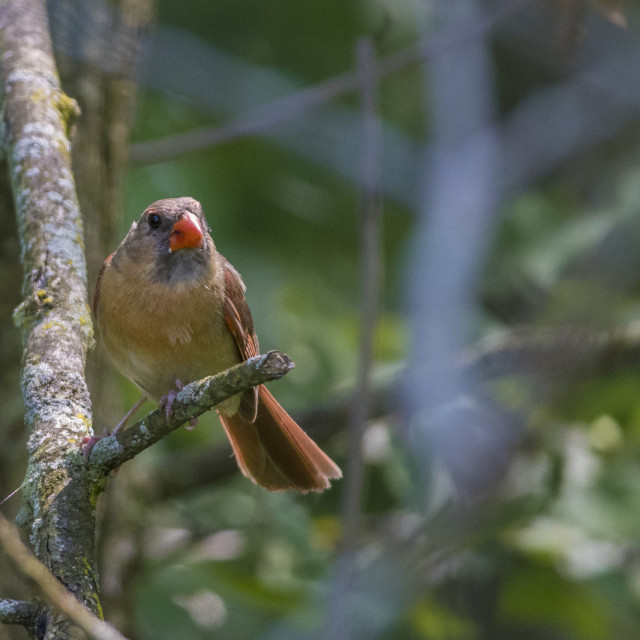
237,313
96,291
238,317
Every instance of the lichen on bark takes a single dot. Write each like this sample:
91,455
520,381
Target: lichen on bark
53,318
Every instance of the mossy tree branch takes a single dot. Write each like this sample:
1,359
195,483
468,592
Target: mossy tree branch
53,317
18,612
104,81
193,400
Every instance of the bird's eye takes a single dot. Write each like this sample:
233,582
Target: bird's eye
154,220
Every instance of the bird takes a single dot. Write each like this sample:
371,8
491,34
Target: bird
170,309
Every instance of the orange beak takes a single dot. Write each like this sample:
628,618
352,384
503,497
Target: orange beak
187,233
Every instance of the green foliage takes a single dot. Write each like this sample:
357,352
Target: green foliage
551,552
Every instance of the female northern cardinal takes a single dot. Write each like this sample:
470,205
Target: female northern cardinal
172,310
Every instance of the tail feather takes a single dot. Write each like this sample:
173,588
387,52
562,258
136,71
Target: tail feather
275,452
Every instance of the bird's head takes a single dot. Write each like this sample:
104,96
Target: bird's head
172,239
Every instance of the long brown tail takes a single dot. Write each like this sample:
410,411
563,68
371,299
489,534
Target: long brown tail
275,452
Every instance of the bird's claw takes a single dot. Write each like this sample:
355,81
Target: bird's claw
88,442
166,402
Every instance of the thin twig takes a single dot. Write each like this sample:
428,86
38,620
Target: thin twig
52,590
370,218
370,281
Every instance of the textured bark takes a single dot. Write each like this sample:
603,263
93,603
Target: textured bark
21,613
97,45
35,617
194,399
53,317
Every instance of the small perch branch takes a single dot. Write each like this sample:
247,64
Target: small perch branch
18,612
194,399
24,613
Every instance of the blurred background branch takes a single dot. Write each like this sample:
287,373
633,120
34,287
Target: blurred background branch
30,615
338,617
290,106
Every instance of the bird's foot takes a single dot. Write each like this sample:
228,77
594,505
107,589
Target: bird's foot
166,402
88,442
